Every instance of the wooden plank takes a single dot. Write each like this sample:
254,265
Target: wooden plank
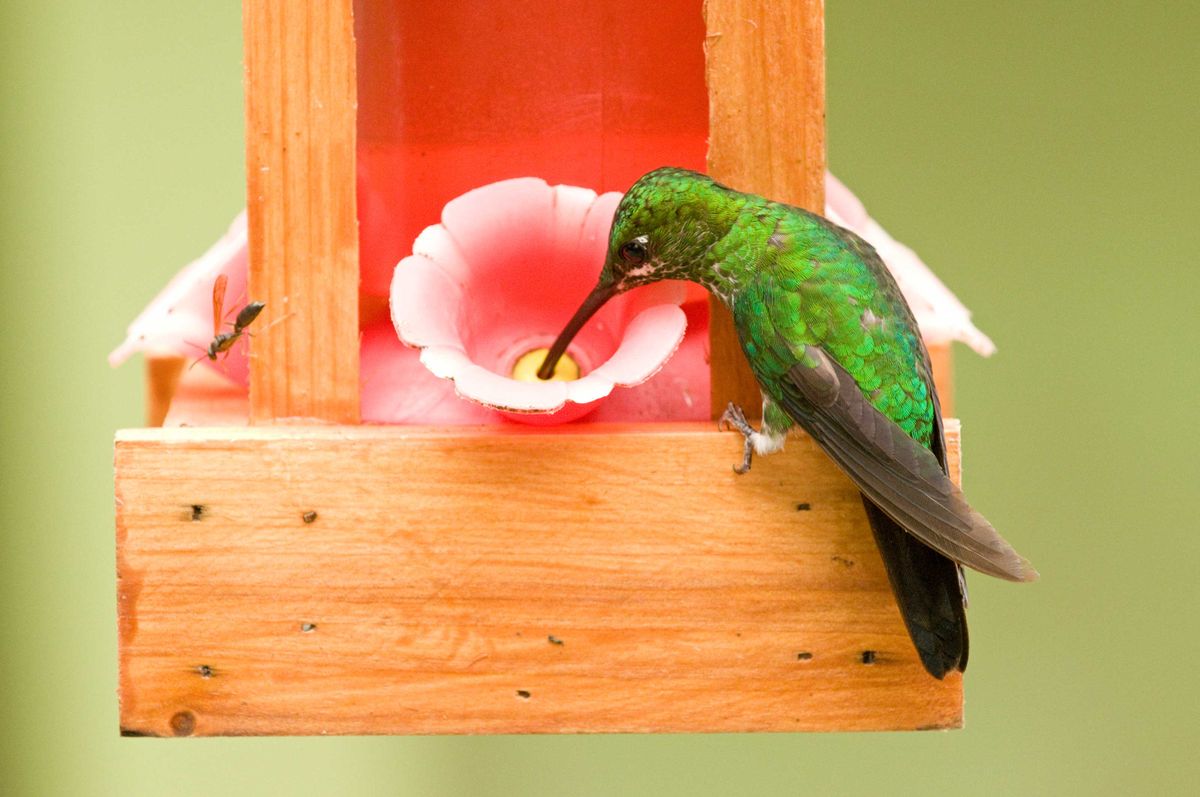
207,398
161,378
942,360
303,227
952,428
766,92
501,580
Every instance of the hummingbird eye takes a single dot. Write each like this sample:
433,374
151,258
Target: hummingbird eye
634,252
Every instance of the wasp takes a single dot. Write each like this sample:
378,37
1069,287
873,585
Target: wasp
223,341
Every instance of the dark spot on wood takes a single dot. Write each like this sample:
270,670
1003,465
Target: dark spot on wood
524,694
804,655
309,516
868,657
553,640
183,723
204,671
842,560
803,507
308,627
197,512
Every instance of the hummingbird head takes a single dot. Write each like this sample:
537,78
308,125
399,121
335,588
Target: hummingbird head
663,228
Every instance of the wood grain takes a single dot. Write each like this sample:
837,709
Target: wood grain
303,227
161,378
207,398
765,66
941,358
501,580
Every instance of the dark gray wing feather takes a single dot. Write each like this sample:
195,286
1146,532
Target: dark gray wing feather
895,472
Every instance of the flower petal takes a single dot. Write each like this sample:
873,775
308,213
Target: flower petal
178,321
493,224
479,384
598,224
679,392
397,388
572,205
435,243
445,362
649,341
842,206
426,304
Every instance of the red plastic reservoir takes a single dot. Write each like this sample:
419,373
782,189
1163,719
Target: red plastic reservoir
453,95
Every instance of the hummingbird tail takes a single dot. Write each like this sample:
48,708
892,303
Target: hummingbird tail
929,591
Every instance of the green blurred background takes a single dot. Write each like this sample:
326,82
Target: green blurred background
1043,156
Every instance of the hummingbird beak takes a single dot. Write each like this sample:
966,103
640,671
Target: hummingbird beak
594,301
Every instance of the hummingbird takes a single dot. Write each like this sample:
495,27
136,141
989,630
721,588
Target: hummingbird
837,353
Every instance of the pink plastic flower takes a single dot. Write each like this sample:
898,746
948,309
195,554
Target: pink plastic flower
179,320
500,276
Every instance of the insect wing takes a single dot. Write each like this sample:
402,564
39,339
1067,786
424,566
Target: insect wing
219,301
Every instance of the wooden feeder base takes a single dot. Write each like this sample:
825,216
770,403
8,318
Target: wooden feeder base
380,580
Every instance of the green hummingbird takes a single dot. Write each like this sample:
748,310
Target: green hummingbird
836,351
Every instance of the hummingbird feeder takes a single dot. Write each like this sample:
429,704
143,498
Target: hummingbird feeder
323,537
482,287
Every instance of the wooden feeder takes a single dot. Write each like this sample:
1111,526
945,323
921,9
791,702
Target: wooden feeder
284,570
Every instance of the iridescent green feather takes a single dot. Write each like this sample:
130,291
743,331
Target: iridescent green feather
791,278
817,284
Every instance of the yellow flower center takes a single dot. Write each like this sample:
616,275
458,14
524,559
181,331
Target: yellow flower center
527,365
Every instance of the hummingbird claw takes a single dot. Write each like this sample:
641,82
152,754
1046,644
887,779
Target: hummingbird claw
748,453
734,418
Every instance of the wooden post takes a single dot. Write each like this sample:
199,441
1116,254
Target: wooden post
162,377
941,357
766,93
303,228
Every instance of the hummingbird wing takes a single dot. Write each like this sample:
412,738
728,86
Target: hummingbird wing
898,474
929,588
813,283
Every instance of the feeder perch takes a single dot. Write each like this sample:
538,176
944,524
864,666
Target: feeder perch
284,568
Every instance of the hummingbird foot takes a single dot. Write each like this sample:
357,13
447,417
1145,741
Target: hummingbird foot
734,418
